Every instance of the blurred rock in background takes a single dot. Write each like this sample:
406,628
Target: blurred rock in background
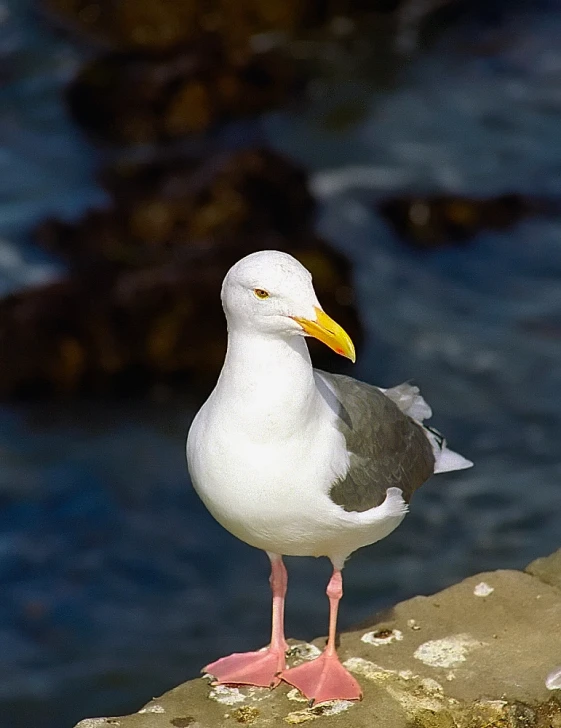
142,303
171,69
157,26
432,222
134,98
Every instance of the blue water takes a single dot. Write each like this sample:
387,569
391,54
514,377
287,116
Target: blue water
115,582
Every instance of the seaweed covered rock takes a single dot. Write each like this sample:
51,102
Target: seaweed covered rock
154,26
171,69
124,332
163,25
432,222
186,204
142,303
133,98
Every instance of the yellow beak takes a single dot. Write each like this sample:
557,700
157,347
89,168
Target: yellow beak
329,333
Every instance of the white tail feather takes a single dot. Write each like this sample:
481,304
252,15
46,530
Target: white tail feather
411,403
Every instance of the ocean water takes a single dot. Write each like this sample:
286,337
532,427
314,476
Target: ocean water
115,583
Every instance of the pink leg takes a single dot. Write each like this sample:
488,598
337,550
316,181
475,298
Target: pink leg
325,678
262,667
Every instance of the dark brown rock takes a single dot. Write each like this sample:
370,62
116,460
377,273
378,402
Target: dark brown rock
172,69
183,206
124,331
134,98
155,26
142,304
432,222
162,25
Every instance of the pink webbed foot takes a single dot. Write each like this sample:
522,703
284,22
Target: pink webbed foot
259,668
323,679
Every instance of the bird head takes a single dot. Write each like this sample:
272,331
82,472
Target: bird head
272,293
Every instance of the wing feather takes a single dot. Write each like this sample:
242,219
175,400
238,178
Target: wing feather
387,448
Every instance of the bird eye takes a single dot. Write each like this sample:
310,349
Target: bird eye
261,293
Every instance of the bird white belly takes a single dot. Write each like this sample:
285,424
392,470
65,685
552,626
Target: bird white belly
256,492
276,496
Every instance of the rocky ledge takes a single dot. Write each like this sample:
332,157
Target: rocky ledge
475,655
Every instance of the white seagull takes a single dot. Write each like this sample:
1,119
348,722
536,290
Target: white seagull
299,462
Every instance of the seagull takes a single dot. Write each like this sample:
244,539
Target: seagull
300,462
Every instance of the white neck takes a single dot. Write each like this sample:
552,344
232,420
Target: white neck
266,384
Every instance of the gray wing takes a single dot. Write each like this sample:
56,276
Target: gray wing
386,447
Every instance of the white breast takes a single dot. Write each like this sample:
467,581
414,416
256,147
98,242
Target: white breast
276,496
271,495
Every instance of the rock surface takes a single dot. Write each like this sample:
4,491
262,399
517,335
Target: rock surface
548,569
475,655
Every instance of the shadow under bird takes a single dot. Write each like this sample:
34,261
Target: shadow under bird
300,462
